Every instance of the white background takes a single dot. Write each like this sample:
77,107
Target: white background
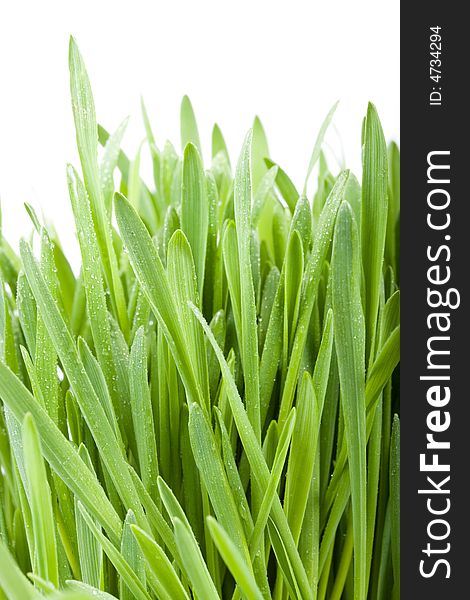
286,60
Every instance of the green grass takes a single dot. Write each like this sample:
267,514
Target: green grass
208,409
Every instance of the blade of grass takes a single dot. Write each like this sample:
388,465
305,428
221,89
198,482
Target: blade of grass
318,144
272,349
81,591
259,152
284,561
212,472
153,279
95,374
232,271
218,143
89,549
373,220
302,223
393,205
193,562
109,163
192,493
92,278
182,277
87,141
234,561
249,341
339,506
27,312
158,522
312,274
373,474
142,414
350,349
210,273
189,130
294,266
233,476
169,585
385,582
41,504
132,553
383,367
218,326
302,456
343,567
274,479
45,358
264,191
195,210
285,187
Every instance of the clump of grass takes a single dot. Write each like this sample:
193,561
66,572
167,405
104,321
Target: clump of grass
206,409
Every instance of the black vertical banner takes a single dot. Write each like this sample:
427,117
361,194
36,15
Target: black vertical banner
435,355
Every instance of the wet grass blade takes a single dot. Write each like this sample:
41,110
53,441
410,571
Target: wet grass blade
284,184
350,350
45,357
169,585
77,590
87,142
212,472
92,278
45,551
249,338
132,553
183,280
302,456
195,210
318,144
89,550
218,143
142,414
189,130
154,281
294,267
234,561
274,479
312,273
259,152
109,163
193,562
373,220
383,367
373,473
